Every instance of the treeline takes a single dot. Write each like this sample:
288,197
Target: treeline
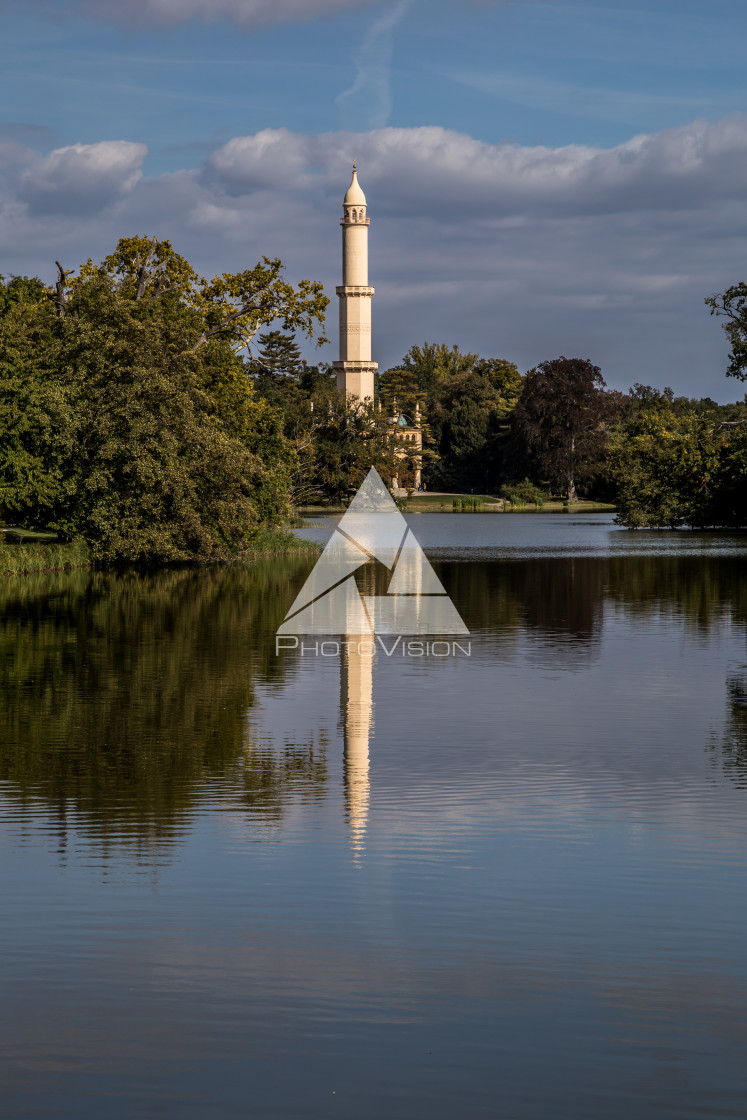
557,430
160,416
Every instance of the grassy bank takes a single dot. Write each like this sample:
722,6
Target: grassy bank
41,552
19,559
278,542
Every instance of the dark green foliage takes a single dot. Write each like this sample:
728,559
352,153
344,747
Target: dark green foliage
678,462
34,413
399,391
433,363
278,355
560,423
334,443
520,493
465,402
732,305
152,473
124,691
126,416
346,443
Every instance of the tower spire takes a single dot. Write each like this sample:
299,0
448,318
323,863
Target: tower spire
355,370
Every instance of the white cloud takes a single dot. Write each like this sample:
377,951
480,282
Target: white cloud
80,178
247,13
524,252
272,158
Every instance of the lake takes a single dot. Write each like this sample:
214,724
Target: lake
509,882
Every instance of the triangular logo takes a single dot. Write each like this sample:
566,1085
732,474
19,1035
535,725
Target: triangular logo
373,528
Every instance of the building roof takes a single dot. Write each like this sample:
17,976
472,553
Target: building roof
354,196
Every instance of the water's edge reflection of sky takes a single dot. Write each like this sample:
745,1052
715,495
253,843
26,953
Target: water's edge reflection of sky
510,884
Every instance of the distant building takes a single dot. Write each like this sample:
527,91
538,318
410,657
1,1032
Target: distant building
409,436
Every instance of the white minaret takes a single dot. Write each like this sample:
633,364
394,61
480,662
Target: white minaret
355,370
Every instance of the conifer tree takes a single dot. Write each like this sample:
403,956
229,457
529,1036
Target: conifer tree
278,355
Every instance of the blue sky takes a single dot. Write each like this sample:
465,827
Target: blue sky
537,180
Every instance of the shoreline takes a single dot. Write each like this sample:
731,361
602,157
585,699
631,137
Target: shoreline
44,555
474,503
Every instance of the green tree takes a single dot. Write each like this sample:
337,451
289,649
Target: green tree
560,423
464,403
34,416
676,464
434,362
152,473
154,445
399,391
348,440
278,354
232,306
732,305
505,378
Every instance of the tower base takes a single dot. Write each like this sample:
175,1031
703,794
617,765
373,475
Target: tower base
356,379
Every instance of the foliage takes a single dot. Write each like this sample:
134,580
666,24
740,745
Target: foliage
560,423
521,493
126,414
232,306
278,354
732,305
19,559
399,391
505,378
676,464
33,412
122,692
464,402
433,363
347,441
467,505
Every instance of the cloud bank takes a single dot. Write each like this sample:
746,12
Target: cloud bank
514,251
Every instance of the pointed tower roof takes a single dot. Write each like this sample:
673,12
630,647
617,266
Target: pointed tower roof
354,196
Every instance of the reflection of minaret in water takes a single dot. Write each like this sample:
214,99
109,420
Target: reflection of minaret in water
356,710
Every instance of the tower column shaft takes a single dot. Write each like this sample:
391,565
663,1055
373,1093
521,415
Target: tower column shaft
355,370
355,253
355,324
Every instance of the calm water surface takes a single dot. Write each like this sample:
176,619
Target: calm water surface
509,885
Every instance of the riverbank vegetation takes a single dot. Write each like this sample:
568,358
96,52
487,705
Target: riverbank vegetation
147,416
45,556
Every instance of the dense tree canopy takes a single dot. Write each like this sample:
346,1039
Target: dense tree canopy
464,403
127,416
560,423
680,462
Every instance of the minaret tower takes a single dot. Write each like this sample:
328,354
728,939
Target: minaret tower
355,370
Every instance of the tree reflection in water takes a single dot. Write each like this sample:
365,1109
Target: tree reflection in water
124,697
733,742
123,693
